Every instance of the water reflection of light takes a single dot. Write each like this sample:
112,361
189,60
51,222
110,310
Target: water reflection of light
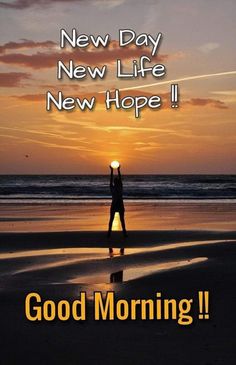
81,251
95,252
139,272
131,273
116,223
103,288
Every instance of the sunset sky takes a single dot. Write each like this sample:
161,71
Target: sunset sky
198,39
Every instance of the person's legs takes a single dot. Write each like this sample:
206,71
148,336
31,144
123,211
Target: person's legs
111,252
122,221
122,251
112,215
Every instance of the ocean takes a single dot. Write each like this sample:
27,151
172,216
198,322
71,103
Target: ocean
76,188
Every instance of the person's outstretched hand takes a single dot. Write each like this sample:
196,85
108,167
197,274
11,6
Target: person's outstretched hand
118,168
111,167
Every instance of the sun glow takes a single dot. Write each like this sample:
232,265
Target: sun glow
115,164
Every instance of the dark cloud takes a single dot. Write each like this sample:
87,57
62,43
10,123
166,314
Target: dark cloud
100,97
109,55
31,97
23,4
13,79
56,87
205,102
25,44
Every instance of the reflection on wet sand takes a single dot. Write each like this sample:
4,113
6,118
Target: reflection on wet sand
116,277
90,267
133,273
112,253
115,227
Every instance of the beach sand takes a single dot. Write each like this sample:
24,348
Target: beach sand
175,249
93,216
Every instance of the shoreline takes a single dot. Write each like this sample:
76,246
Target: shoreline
94,216
107,200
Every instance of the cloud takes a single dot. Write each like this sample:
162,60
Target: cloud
225,92
55,140
48,134
51,144
188,78
205,102
55,87
147,146
24,4
13,79
109,3
100,99
25,44
208,47
31,97
43,60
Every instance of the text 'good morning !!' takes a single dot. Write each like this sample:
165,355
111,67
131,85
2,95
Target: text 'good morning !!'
126,37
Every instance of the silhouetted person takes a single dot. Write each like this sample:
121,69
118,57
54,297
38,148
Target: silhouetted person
117,204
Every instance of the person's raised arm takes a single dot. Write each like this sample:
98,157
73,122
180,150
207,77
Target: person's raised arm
111,177
119,175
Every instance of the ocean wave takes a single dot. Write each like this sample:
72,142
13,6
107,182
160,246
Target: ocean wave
81,187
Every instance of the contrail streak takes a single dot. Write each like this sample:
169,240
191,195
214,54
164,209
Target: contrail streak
197,77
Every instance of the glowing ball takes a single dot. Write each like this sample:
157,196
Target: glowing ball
115,164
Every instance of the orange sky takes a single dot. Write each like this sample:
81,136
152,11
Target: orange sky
198,137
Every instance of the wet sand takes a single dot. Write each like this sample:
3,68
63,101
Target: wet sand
91,216
59,263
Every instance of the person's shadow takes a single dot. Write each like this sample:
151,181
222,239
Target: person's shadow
116,277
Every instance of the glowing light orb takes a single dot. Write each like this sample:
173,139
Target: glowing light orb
115,164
